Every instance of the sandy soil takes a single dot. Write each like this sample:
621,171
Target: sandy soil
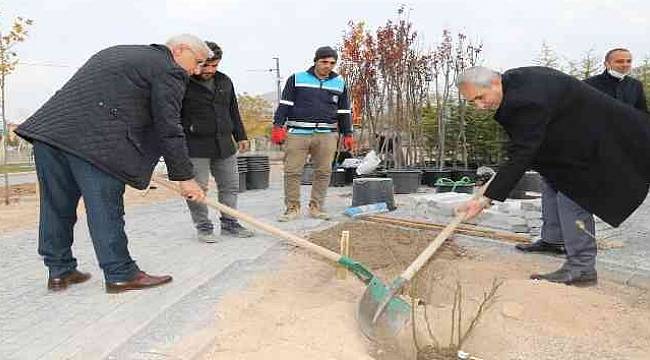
22,212
304,312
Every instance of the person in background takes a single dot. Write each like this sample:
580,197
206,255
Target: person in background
211,120
313,110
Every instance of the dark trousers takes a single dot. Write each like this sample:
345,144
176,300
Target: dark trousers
560,214
64,179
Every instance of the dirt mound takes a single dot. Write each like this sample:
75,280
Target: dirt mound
303,311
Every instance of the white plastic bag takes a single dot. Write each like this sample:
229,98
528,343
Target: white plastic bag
369,163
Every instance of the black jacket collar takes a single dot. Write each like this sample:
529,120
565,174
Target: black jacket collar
608,77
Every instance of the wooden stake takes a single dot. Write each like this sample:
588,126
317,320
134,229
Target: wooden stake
344,246
471,230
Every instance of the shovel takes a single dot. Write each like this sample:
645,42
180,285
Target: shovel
378,316
375,286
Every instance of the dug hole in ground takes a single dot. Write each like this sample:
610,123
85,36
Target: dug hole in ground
302,311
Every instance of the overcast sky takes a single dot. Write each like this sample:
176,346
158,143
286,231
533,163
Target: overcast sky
251,32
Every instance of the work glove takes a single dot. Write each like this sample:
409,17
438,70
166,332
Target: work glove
348,142
278,134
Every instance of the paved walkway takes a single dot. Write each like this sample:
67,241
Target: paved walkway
86,323
20,178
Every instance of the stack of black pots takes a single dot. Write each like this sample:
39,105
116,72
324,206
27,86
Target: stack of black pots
257,172
242,169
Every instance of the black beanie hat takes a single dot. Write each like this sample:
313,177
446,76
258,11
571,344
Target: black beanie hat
325,52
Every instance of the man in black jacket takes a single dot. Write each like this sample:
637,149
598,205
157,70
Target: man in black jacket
587,145
616,81
560,213
211,119
104,129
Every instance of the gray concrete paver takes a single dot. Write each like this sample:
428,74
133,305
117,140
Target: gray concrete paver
86,323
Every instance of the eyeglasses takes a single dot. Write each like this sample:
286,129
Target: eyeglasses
325,62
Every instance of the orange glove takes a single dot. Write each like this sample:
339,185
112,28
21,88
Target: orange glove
348,142
278,134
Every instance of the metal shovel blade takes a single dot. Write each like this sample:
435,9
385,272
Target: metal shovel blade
390,321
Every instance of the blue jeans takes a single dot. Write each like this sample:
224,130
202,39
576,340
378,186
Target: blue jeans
64,179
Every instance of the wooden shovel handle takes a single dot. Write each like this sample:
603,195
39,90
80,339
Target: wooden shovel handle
296,240
440,239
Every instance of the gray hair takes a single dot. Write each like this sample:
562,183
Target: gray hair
478,76
194,42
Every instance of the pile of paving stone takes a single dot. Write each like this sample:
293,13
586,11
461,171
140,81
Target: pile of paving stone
515,215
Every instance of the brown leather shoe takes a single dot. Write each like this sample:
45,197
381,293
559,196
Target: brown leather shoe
141,280
69,278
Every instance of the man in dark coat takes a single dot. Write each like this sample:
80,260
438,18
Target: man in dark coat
616,81
106,128
211,120
559,213
588,146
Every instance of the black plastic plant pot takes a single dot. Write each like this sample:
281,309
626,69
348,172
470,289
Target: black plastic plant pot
432,175
367,191
467,189
459,173
256,180
349,175
444,184
531,181
307,174
405,181
338,178
242,182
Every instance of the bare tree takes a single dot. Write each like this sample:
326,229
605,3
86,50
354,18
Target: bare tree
388,76
450,59
8,61
547,57
587,66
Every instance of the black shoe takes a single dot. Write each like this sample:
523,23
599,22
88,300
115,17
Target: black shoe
569,277
542,247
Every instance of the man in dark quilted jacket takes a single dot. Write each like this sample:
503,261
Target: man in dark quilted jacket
104,129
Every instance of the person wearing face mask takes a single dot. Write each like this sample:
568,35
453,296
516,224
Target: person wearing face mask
559,214
616,81
211,121
104,129
592,150
313,111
